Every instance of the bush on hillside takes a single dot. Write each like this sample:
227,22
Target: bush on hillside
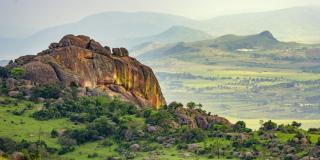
240,126
47,91
4,72
7,145
17,72
267,126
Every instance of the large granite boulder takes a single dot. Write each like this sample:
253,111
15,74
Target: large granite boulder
83,61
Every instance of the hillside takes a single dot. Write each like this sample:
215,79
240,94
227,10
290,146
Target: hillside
232,75
99,128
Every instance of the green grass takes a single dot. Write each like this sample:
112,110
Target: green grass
19,127
11,127
284,137
82,152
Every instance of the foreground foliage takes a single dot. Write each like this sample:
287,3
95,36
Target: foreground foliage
103,128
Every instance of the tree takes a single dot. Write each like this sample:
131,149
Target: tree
191,105
269,125
239,126
174,105
296,124
161,118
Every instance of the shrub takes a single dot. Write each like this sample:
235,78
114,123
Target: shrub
93,155
287,128
106,143
67,142
7,145
269,125
181,146
313,130
103,126
47,91
192,135
65,150
191,105
80,117
45,114
250,142
4,72
220,128
240,126
147,113
83,135
17,72
121,107
296,124
161,118
318,142
54,133
3,88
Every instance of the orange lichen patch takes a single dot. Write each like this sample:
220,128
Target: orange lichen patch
88,84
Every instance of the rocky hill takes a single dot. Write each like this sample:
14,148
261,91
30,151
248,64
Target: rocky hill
81,61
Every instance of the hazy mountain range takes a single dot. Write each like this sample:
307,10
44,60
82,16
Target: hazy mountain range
129,29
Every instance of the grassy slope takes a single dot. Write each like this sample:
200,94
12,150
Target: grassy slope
10,126
25,127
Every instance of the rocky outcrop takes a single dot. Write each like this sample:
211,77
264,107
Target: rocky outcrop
85,62
198,119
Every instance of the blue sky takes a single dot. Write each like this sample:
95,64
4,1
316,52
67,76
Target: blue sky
38,14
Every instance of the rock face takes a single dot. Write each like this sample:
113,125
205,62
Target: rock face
85,62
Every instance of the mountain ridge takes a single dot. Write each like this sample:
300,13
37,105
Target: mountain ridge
261,41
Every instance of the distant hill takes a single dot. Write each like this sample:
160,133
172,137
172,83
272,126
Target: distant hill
263,40
108,27
300,24
229,43
172,35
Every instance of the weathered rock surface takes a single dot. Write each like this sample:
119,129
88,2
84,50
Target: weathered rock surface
85,62
198,119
